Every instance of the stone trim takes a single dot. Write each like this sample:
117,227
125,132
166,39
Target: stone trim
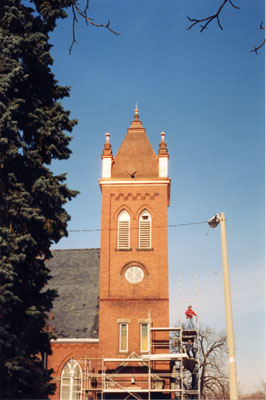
123,320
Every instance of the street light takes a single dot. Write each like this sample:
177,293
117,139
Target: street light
214,222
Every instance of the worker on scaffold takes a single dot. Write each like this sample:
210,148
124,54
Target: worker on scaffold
189,315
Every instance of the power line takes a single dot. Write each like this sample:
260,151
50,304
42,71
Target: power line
169,226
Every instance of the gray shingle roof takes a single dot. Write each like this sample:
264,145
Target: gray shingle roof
75,275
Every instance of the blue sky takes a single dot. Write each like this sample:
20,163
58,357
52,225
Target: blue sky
206,91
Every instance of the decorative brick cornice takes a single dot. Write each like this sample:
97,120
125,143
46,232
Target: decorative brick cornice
134,196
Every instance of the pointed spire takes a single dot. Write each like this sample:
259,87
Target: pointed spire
136,114
136,123
107,150
162,147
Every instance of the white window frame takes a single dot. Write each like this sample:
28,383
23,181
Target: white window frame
72,364
120,337
123,230
148,337
145,231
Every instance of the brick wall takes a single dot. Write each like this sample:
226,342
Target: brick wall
120,299
63,352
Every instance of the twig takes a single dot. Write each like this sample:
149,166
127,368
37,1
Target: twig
209,19
89,21
256,48
73,28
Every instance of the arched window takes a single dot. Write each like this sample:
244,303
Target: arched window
123,235
145,230
71,381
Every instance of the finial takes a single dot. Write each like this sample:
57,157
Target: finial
107,137
163,147
107,150
136,114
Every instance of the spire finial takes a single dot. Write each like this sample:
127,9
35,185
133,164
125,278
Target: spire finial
136,114
107,137
163,147
107,150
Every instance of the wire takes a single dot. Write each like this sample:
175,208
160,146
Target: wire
169,226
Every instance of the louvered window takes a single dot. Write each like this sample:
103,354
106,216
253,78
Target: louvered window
145,230
123,236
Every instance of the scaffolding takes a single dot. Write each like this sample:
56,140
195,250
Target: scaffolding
169,370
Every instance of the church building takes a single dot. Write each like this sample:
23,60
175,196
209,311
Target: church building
111,318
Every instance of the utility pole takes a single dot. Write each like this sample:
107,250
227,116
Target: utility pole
213,222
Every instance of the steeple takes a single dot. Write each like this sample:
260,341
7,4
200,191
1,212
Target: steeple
135,157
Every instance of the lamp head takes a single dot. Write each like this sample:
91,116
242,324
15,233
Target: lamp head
214,221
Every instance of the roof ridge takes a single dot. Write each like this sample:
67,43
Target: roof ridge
86,249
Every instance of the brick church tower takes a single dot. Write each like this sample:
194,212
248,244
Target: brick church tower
134,243
111,318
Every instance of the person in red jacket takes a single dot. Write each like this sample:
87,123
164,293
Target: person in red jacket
189,315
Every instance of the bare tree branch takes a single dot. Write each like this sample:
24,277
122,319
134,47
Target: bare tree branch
83,13
209,19
213,378
206,21
74,21
256,48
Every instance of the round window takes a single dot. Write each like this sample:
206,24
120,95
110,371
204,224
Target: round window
134,274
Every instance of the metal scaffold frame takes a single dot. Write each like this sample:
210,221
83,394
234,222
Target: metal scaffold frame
100,379
166,369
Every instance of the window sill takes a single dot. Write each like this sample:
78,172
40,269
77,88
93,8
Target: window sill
151,249
123,249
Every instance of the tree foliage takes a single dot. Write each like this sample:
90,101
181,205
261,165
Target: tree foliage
32,134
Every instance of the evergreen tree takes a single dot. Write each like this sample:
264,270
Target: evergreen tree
32,217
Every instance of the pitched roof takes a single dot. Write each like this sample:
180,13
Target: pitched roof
135,157
75,275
